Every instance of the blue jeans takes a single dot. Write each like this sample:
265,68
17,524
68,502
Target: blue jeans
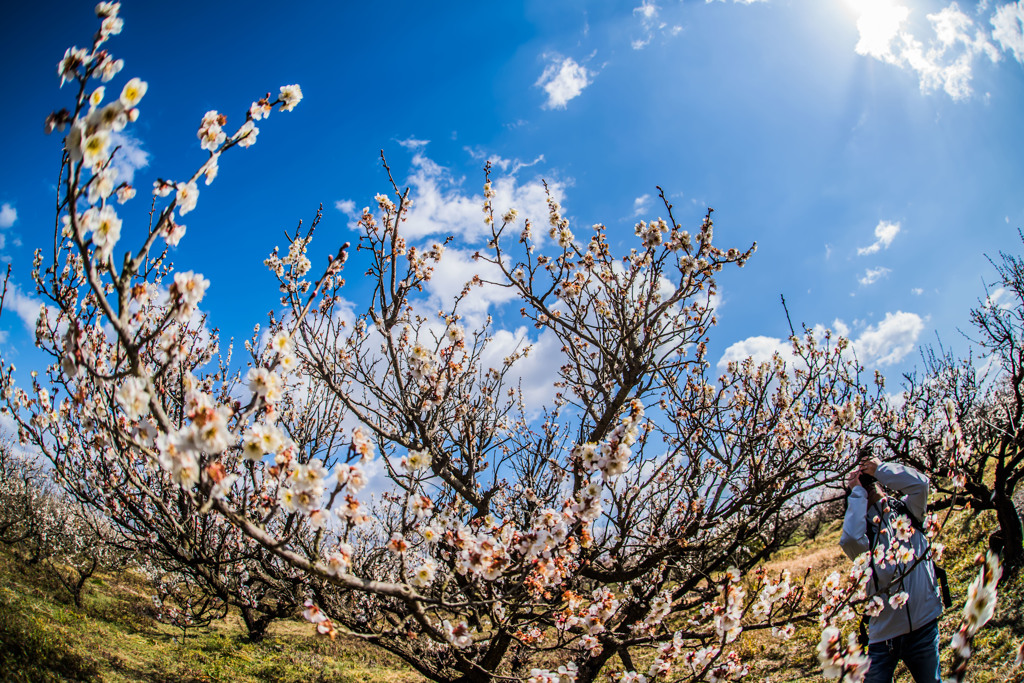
919,650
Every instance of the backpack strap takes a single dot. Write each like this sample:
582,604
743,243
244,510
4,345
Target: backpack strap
899,506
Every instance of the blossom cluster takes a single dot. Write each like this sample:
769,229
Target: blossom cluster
978,609
838,661
611,456
954,443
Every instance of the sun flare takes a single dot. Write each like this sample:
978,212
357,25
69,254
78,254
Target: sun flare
878,22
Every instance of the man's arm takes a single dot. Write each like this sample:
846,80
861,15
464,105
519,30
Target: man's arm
908,481
854,539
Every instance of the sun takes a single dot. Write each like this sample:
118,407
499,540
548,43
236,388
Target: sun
878,22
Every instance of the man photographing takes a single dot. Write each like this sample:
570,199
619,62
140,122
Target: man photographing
906,629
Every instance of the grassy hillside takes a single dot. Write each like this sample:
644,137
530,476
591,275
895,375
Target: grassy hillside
115,639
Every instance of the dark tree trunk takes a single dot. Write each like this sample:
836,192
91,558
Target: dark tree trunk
1010,534
256,624
591,667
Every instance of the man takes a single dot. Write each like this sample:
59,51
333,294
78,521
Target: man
907,627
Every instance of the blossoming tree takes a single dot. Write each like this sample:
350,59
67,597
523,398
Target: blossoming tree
622,527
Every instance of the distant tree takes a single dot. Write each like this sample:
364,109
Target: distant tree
180,603
73,541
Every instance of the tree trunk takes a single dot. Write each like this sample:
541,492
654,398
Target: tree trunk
256,624
591,666
1010,534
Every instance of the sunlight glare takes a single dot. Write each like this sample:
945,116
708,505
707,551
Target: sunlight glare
878,22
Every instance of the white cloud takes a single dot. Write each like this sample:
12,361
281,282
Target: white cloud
457,267
24,306
945,62
917,291
741,2
413,143
641,205
760,348
442,207
885,233
129,158
872,275
563,80
535,373
884,344
347,207
891,340
8,215
1008,29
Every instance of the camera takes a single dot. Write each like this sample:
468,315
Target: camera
866,480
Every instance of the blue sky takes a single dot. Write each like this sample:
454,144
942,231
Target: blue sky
872,148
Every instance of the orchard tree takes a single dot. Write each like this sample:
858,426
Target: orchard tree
620,528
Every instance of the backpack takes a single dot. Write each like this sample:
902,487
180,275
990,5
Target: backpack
899,506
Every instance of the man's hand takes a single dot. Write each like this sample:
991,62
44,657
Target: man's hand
854,479
869,466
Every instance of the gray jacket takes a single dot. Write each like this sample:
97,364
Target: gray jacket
924,603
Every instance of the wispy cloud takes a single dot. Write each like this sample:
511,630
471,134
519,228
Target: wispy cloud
8,214
130,157
563,80
413,143
1008,29
872,275
651,25
885,233
641,205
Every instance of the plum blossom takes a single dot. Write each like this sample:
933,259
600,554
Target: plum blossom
74,57
424,574
177,456
418,459
102,184
458,634
247,134
340,561
266,383
211,135
187,196
134,397
290,96
95,148
106,231
188,290
898,600
133,92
